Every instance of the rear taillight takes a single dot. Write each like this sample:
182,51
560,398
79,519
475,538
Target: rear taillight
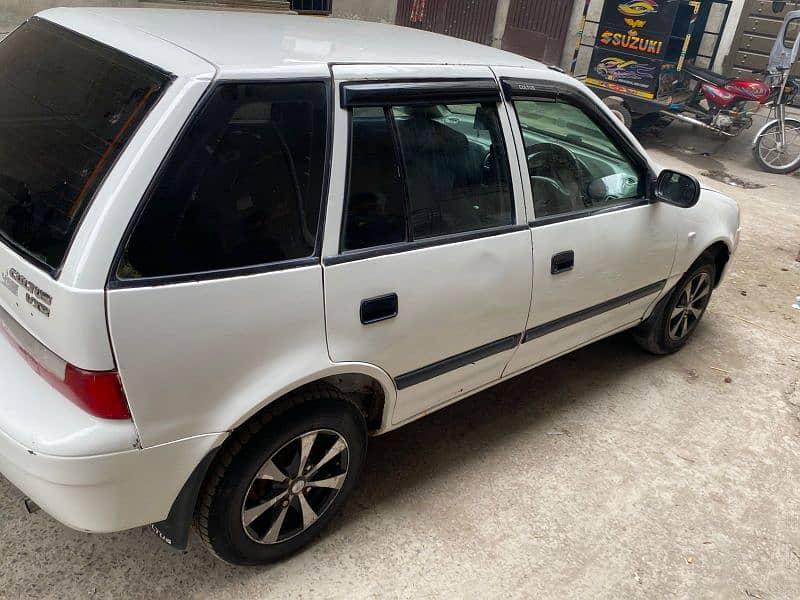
99,393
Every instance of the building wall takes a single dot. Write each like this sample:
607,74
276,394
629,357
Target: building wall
730,32
382,11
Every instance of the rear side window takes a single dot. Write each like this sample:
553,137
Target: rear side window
68,107
243,187
424,171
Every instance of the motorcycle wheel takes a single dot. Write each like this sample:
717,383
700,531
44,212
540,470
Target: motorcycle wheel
767,155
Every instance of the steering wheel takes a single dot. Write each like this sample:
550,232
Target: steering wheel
557,175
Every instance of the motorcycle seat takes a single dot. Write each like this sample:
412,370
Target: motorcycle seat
706,75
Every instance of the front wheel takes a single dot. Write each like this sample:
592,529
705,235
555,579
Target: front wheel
773,156
677,315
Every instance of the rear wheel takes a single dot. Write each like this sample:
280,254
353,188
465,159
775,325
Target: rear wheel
676,316
776,157
274,489
617,106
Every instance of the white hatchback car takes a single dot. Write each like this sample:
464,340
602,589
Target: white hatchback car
234,245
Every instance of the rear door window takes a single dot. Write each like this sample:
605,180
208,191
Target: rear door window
68,107
425,171
242,189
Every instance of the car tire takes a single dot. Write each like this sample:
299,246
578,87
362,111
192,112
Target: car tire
300,462
676,316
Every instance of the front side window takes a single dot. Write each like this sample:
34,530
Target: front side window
573,164
68,107
243,187
423,171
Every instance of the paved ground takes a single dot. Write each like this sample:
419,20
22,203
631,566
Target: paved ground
605,474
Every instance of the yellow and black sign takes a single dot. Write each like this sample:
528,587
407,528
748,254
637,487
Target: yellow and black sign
652,16
631,45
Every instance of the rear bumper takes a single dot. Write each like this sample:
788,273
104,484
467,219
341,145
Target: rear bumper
109,492
88,473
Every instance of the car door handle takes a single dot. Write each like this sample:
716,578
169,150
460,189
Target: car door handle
381,308
562,262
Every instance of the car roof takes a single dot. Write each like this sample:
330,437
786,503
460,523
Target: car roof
237,40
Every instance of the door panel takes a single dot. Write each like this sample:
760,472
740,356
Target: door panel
432,212
601,251
452,299
621,261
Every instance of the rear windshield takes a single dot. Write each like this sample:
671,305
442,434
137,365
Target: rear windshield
68,106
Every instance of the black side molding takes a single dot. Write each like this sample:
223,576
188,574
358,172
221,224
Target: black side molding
470,356
174,530
418,92
592,311
455,362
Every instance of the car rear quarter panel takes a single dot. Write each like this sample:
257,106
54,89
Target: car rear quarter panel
202,357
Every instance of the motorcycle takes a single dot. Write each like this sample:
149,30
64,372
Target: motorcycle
720,104
776,147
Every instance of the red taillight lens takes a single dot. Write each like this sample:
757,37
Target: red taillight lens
99,393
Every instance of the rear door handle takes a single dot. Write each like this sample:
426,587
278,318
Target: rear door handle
381,308
562,262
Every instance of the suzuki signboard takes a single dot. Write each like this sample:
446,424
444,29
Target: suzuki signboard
632,40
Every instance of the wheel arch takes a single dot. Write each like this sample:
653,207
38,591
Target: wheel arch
722,253
369,388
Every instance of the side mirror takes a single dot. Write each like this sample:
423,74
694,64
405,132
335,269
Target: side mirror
677,188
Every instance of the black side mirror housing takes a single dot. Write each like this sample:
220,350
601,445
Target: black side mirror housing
677,188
